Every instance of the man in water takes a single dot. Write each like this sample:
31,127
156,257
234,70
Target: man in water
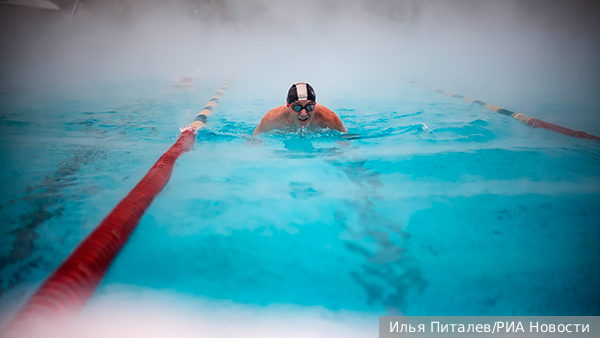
300,112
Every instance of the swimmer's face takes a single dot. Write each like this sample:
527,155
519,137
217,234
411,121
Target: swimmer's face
302,111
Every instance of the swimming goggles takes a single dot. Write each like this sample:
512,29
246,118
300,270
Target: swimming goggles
298,107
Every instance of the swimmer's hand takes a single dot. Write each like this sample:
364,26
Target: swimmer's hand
254,141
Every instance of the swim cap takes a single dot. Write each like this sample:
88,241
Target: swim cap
301,91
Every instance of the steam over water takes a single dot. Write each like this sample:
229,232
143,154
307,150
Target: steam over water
514,54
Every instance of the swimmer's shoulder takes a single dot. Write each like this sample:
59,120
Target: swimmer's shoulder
275,118
326,118
323,111
277,112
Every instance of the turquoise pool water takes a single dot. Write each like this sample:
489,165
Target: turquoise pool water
440,208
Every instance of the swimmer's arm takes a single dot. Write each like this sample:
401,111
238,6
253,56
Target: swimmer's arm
338,125
273,119
332,121
264,126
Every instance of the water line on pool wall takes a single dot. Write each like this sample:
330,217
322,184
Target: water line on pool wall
69,287
530,121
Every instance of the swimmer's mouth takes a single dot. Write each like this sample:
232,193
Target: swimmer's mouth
303,120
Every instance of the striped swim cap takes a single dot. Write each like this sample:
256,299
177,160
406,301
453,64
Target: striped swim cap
301,91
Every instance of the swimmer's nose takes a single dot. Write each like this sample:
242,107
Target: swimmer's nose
303,114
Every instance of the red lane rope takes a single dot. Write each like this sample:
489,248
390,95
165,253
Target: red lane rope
562,130
535,123
75,280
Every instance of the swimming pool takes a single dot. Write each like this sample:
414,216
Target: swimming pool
440,208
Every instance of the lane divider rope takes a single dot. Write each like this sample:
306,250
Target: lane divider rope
69,287
535,123
204,114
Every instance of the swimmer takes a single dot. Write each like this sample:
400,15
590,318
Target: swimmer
300,112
